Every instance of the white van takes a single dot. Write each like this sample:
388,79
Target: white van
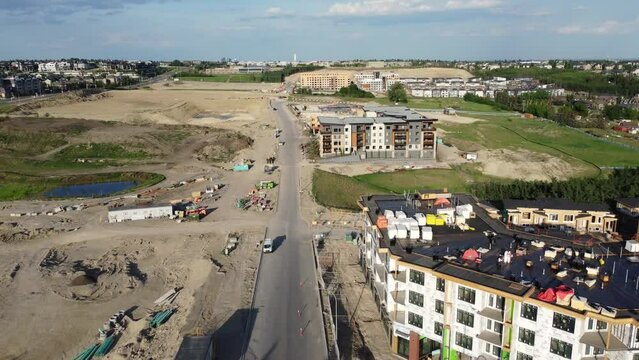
268,245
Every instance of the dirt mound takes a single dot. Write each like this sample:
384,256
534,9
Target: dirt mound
110,275
524,164
64,99
223,146
12,233
177,113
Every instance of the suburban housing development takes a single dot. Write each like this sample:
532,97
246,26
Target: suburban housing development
382,132
452,282
325,81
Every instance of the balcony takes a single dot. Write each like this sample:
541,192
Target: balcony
493,314
490,337
399,296
399,276
598,339
398,317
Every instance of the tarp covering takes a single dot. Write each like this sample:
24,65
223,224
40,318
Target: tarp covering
470,255
442,202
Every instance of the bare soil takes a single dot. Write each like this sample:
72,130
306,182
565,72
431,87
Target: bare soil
63,275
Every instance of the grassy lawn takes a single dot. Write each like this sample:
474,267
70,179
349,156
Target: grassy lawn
539,136
234,78
100,151
441,103
340,191
28,143
7,108
19,187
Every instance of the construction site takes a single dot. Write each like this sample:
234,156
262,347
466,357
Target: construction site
129,275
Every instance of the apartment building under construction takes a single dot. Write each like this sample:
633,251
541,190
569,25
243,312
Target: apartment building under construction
382,132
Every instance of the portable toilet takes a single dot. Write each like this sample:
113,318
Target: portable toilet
421,219
402,233
392,231
427,233
431,219
400,215
414,232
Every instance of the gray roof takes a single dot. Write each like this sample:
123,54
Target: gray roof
631,202
555,204
135,207
330,120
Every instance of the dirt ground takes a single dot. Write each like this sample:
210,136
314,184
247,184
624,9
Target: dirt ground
63,275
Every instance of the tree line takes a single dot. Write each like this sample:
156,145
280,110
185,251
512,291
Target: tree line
540,104
573,80
619,183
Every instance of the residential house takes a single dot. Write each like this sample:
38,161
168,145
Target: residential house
628,126
560,214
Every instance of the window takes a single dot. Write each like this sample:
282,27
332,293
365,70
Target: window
591,350
496,301
526,336
415,320
416,277
439,306
493,349
569,218
466,318
601,325
494,326
403,346
466,294
529,312
560,348
525,215
439,328
522,356
440,285
553,217
464,341
387,147
415,298
563,322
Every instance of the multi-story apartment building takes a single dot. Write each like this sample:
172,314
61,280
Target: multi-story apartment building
560,214
484,294
376,82
21,86
325,81
383,132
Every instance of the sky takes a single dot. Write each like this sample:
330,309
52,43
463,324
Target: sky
319,29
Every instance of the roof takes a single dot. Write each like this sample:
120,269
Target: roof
330,120
631,202
554,204
530,270
195,348
138,207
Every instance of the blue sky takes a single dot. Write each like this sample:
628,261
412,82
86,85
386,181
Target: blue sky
319,29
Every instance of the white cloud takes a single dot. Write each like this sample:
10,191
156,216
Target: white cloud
472,4
278,12
400,7
610,27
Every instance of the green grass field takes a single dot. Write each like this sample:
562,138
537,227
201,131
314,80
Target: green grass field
232,78
100,151
441,103
539,136
7,108
19,187
340,191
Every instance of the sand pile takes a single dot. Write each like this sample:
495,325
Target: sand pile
12,233
114,273
524,164
222,146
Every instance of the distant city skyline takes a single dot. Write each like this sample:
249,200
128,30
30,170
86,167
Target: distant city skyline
320,29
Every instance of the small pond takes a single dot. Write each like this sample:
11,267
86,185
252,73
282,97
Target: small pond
91,190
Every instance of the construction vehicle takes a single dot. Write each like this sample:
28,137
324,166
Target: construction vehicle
265,184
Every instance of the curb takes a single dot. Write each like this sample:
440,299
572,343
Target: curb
252,307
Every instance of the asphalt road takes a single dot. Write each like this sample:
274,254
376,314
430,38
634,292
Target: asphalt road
288,319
